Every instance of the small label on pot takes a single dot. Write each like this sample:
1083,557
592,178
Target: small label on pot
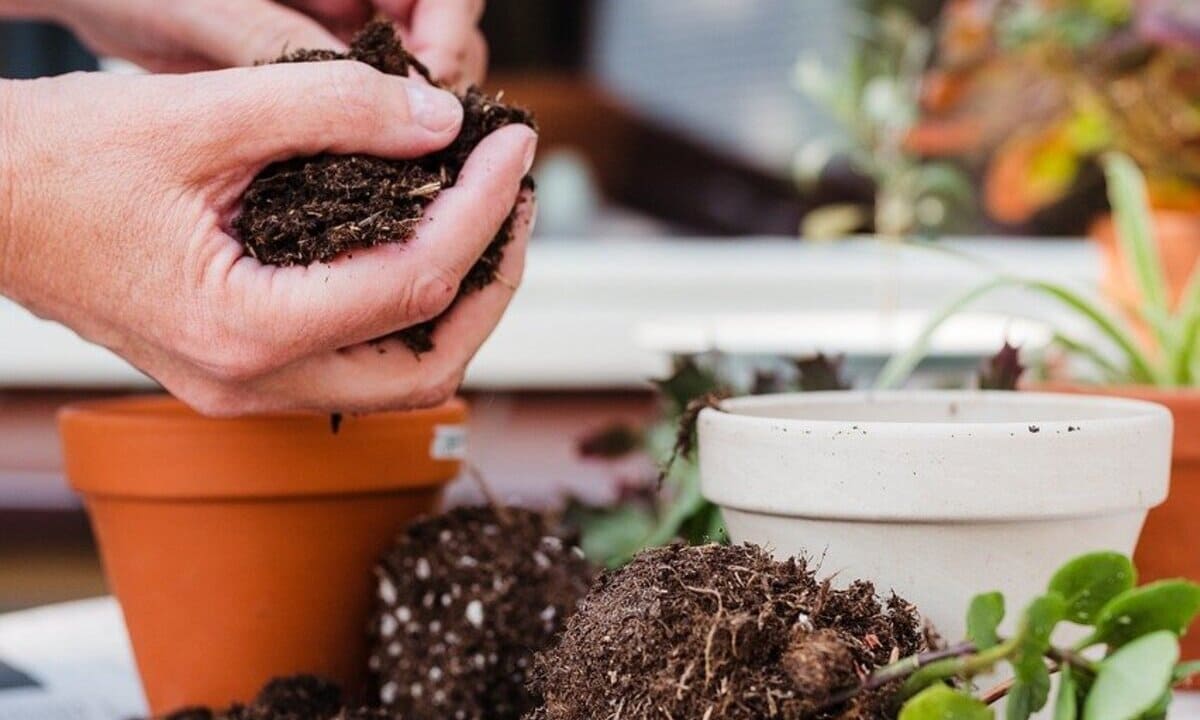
449,442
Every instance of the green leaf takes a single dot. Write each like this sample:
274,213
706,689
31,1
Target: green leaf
1066,707
1141,369
1135,230
1132,680
983,617
1029,695
1089,582
1185,670
1031,688
611,536
1033,637
1169,605
899,367
942,703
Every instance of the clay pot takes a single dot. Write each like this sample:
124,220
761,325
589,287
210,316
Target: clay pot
1177,234
1170,542
936,494
242,549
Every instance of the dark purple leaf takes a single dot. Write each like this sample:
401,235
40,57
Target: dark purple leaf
1003,370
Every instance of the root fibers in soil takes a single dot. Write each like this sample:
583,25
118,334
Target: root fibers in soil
721,633
312,209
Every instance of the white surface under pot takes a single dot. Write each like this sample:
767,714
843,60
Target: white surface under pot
937,495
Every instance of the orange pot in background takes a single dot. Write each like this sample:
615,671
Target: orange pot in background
242,549
1177,234
1169,546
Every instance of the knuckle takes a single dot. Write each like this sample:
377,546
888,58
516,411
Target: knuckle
430,294
354,90
214,401
437,390
229,358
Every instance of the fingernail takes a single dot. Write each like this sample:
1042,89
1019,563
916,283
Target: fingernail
433,109
530,151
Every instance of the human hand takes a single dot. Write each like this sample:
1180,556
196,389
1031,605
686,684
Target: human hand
210,34
117,192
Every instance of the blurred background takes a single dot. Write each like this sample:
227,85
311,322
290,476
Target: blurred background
731,176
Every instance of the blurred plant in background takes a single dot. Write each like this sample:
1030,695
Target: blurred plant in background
648,512
876,100
1035,90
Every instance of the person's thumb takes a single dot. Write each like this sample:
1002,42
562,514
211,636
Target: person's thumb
246,32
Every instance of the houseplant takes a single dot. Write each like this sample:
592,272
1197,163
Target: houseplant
242,549
1164,368
875,104
1031,92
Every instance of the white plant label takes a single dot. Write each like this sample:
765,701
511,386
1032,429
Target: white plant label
449,442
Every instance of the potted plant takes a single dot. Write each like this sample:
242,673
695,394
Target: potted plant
242,549
1164,368
1034,91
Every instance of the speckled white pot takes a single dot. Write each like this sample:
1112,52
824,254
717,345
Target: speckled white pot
937,495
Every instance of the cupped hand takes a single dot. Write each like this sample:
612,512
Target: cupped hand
116,198
190,35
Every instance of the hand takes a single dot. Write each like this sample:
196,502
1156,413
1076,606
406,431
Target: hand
189,35
443,34
115,196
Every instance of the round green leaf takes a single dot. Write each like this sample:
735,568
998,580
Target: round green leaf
1165,605
983,617
1090,581
939,702
1028,695
1132,680
1066,706
1033,637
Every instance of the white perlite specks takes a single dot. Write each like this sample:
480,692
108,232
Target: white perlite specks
475,613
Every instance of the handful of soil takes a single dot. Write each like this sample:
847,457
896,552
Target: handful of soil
312,209
303,697
464,601
722,633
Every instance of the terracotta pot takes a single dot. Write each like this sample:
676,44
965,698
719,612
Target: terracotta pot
1177,234
1170,542
242,550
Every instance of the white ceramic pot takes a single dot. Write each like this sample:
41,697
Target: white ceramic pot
937,495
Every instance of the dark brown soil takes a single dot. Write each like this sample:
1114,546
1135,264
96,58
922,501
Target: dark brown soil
721,633
302,697
312,209
464,601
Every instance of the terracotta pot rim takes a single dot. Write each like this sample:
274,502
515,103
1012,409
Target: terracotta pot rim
153,447
159,407
1148,392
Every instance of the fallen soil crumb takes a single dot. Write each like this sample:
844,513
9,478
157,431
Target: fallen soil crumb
312,209
722,633
303,697
464,601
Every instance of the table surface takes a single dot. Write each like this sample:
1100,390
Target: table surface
79,652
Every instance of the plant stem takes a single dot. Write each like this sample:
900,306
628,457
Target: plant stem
899,670
1065,656
966,666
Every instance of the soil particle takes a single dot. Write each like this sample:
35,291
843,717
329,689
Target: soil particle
721,633
313,209
303,697
464,600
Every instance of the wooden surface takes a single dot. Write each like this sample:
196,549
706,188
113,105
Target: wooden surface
523,444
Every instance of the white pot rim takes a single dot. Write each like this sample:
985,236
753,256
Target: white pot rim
935,456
